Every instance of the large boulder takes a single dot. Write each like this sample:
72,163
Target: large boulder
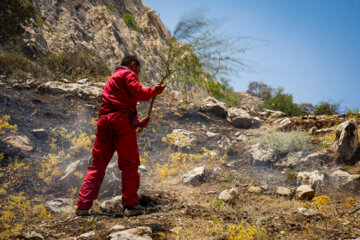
290,160
241,119
347,139
196,177
345,180
81,89
214,106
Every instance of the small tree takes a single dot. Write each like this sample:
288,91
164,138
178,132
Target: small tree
327,108
259,89
281,101
14,14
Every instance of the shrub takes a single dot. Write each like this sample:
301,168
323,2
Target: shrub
281,101
326,108
130,21
283,143
14,15
353,113
79,64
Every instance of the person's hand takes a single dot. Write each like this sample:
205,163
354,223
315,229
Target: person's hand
144,123
159,88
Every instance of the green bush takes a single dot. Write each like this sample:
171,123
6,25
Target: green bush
19,67
283,143
326,108
353,113
281,101
111,8
14,15
130,21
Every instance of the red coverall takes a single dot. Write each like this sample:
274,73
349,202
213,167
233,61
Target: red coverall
116,130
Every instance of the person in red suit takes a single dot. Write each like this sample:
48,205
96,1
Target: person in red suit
116,131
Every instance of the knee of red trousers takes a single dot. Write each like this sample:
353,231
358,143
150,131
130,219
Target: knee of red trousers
130,185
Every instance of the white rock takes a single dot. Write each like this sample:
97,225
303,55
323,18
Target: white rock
59,205
183,138
283,191
112,206
241,119
86,235
285,124
260,155
116,228
314,159
253,189
72,88
347,139
83,81
315,179
21,142
32,236
139,233
39,133
304,192
224,143
196,176
228,195
323,131
211,134
306,212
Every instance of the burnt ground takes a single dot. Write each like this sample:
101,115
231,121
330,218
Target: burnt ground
174,211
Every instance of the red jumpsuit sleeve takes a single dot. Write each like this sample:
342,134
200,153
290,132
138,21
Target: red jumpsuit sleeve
136,90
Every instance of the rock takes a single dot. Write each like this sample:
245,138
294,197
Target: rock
304,192
290,160
312,130
315,159
283,191
30,236
183,138
59,205
112,206
211,134
307,212
196,176
285,124
214,106
347,139
254,189
83,81
260,155
86,235
75,89
228,195
271,113
345,180
116,228
139,233
142,168
224,143
323,131
315,179
241,119
242,138
21,142
39,133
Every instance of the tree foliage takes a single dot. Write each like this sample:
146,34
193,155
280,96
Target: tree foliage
13,15
281,101
327,108
259,89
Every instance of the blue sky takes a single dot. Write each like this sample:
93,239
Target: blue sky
312,50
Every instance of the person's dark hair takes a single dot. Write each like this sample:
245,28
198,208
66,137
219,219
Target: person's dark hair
128,60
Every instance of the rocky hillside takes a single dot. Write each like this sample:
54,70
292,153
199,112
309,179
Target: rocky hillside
208,170
98,26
